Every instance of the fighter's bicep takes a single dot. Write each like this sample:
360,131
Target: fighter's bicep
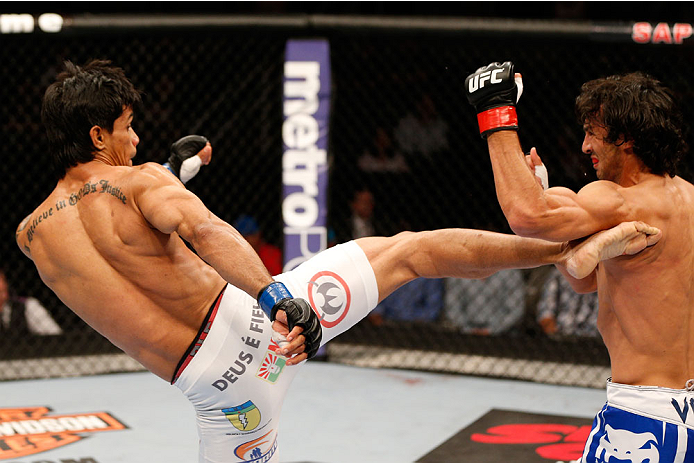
576,215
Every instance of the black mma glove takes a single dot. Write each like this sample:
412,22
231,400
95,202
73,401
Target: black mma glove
182,154
494,91
276,296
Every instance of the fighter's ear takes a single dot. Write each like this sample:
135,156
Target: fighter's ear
627,144
96,133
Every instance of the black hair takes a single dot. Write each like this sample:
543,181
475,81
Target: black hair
81,98
636,107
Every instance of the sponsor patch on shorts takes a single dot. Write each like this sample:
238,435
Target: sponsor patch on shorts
244,417
330,297
272,366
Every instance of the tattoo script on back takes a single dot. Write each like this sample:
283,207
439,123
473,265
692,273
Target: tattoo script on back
100,187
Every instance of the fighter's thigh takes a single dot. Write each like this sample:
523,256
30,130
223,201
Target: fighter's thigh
238,397
340,285
244,429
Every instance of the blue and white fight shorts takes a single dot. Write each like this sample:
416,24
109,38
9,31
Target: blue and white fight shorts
643,424
233,373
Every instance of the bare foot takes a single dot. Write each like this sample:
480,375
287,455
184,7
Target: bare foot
627,238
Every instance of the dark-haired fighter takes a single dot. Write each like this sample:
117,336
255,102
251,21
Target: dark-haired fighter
633,134
109,242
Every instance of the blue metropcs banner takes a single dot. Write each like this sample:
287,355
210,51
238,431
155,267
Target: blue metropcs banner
305,143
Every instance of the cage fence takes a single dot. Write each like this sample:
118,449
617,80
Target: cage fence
401,129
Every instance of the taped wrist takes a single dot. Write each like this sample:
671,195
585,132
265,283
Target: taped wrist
270,296
495,119
170,169
190,167
183,149
543,175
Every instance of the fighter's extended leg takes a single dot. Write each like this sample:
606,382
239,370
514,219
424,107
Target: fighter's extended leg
455,252
625,239
464,253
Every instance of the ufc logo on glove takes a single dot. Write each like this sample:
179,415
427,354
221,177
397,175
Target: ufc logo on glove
494,91
478,81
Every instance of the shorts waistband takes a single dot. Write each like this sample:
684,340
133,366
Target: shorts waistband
672,405
199,338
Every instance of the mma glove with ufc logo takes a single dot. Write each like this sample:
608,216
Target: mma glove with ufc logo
494,91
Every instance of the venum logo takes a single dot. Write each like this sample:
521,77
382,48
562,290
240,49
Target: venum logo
330,297
623,445
478,81
684,410
28,431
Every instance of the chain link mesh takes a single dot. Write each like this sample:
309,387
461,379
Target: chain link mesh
401,128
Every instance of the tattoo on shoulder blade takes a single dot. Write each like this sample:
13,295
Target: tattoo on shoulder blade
102,186
20,229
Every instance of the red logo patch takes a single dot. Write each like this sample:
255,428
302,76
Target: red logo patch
330,297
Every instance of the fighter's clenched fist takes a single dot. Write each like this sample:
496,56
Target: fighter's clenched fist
494,91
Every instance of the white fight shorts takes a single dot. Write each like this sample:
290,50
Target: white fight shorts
643,424
233,374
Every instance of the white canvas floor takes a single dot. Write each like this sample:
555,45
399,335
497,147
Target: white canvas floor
333,414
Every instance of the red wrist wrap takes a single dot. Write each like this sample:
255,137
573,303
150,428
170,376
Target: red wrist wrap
501,118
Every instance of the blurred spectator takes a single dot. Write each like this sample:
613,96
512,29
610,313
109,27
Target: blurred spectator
561,311
422,138
270,255
382,157
362,206
418,300
21,316
490,305
422,134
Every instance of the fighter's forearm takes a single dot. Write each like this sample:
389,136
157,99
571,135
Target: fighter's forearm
494,91
520,197
221,246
